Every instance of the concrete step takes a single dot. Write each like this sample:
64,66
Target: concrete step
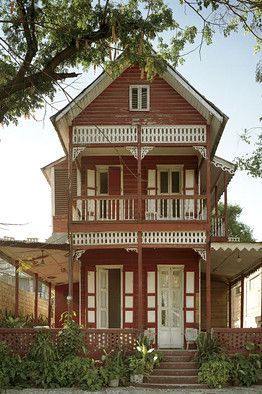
178,365
184,358
172,386
172,379
172,352
174,372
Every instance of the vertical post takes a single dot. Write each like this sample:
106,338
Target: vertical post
80,292
69,226
216,213
208,252
261,298
229,305
16,292
139,246
242,302
49,303
36,298
225,205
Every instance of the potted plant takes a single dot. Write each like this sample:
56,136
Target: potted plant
137,368
115,368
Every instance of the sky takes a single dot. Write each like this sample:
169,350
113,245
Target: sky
225,74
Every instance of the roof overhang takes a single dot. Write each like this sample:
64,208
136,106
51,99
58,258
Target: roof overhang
214,117
52,268
231,260
47,170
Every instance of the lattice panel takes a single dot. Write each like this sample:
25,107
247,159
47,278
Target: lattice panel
105,238
105,135
173,134
234,339
174,237
20,340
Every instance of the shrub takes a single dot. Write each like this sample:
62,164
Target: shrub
9,365
71,338
244,369
215,373
72,371
208,347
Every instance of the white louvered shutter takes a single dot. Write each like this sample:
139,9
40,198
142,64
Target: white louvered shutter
144,98
134,98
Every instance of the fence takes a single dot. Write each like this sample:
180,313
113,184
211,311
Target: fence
234,339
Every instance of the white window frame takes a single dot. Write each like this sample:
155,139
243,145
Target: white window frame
139,87
105,168
170,169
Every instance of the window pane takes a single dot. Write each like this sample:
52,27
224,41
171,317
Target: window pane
103,182
175,182
144,98
163,182
134,98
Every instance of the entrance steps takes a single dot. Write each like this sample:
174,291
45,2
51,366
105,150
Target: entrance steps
179,369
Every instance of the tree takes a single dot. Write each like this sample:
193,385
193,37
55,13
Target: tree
252,163
44,42
235,227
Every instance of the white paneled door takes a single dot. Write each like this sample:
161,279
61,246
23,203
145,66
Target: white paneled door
170,307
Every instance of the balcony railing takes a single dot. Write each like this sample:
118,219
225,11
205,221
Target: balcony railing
125,208
217,227
128,134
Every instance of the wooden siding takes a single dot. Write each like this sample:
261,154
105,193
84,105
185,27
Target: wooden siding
61,293
112,106
151,258
219,300
61,190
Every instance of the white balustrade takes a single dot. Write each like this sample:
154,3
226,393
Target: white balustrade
173,134
175,208
104,209
104,135
174,237
105,238
217,227
149,134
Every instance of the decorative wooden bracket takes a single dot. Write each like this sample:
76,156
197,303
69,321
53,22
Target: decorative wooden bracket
224,166
202,253
78,254
77,151
132,250
144,151
202,150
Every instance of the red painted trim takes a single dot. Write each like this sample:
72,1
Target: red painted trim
36,298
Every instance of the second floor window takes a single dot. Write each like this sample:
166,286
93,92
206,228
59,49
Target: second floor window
139,98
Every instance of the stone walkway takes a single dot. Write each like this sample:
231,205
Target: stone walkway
125,390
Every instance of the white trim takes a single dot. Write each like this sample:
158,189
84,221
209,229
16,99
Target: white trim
107,267
139,97
182,269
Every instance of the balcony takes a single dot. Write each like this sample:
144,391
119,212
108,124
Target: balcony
125,208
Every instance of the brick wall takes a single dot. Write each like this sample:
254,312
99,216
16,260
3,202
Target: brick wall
26,301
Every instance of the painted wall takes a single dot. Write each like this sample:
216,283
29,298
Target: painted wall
219,303
61,293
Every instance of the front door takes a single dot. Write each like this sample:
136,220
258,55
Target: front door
170,307
109,298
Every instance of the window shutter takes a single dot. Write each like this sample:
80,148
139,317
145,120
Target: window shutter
134,98
144,98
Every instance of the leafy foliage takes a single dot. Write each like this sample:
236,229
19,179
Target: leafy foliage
235,227
43,41
252,163
9,320
215,372
71,338
208,347
244,369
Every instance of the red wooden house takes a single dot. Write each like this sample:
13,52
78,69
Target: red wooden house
136,197
143,182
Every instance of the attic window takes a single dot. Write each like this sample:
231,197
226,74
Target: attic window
139,98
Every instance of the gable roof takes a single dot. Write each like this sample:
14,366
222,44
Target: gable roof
213,115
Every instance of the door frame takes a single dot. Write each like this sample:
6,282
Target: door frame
180,267
98,269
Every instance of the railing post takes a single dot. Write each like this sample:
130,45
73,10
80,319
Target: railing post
16,291
36,298
225,206
69,226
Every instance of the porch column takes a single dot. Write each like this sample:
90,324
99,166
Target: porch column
261,297
139,235
49,303
225,205
16,292
242,284
36,298
69,225
229,305
208,234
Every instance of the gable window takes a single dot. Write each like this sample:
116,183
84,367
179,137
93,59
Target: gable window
139,98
